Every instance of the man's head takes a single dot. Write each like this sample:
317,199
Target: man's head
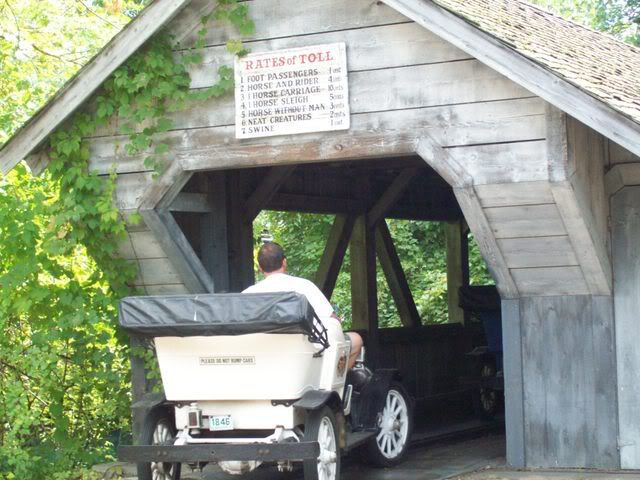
271,258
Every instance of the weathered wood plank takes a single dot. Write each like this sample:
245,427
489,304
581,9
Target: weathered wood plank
561,165
168,289
379,134
240,235
185,265
454,237
214,235
625,213
396,279
484,235
370,48
390,196
283,18
87,81
146,245
538,252
190,202
513,194
125,249
525,221
550,281
569,388
503,163
587,152
463,82
333,254
627,174
157,271
513,383
265,190
130,189
618,154
587,242
524,71
442,162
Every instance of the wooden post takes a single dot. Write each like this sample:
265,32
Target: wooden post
139,387
364,299
333,254
240,235
455,280
395,276
215,249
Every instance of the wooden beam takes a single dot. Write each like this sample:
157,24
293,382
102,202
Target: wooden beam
333,254
295,202
191,202
240,235
363,281
526,72
439,159
455,270
390,196
590,248
396,279
178,249
267,188
77,90
485,237
214,237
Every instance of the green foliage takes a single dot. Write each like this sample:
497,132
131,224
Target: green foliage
63,363
620,18
420,246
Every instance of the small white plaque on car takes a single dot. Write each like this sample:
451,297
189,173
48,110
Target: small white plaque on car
220,422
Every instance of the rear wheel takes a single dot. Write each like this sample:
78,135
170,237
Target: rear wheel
390,444
485,400
320,426
158,429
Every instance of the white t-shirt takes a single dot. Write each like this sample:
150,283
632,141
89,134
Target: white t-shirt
281,282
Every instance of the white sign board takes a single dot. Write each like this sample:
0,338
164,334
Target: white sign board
298,90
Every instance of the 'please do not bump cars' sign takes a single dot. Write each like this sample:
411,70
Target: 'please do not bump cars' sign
298,90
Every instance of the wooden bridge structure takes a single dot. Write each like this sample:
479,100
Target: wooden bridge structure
492,116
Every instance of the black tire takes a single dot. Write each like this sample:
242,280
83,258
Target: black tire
319,423
390,444
158,421
486,401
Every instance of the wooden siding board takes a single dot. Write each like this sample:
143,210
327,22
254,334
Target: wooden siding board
146,245
565,367
525,221
504,162
538,252
513,383
626,264
481,228
285,18
130,189
217,148
588,244
450,83
369,48
548,281
514,194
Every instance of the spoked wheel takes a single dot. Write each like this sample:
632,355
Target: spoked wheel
486,399
158,429
390,444
321,426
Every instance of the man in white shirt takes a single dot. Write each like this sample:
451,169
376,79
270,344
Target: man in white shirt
273,265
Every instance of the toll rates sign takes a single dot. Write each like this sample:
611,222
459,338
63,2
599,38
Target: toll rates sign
292,91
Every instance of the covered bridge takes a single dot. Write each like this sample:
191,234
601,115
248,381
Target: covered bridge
491,114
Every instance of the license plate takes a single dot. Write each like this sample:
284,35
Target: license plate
220,422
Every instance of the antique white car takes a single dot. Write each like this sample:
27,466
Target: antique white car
255,378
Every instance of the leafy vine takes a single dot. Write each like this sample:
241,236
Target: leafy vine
65,380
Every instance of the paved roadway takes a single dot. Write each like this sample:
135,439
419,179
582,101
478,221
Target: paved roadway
424,462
